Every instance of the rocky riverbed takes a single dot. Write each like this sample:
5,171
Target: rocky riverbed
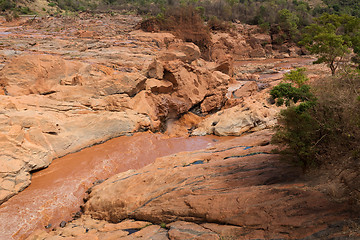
236,189
67,83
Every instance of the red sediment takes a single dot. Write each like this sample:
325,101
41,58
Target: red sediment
57,191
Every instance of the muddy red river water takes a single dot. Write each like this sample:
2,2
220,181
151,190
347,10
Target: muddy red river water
57,191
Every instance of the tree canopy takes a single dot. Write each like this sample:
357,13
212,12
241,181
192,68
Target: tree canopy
331,37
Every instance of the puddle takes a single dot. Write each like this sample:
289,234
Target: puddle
132,230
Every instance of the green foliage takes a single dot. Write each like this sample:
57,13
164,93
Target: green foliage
287,94
6,5
297,76
25,10
326,130
298,131
350,7
331,38
288,22
73,5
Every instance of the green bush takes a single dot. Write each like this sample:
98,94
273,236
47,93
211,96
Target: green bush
6,5
287,94
297,131
25,10
325,129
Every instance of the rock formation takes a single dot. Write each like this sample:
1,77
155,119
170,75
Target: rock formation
95,78
236,189
53,104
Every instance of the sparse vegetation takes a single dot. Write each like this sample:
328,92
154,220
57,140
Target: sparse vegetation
184,22
325,131
284,19
6,5
73,5
216,24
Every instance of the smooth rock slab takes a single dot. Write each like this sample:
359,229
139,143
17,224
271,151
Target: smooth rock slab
228,184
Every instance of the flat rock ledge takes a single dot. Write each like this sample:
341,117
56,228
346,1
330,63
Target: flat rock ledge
237,189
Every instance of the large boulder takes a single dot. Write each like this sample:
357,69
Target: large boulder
175,86
237,120
186,52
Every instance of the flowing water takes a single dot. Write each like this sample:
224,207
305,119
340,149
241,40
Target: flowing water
57,191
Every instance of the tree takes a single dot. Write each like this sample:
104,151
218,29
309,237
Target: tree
332,37
288,22
6,4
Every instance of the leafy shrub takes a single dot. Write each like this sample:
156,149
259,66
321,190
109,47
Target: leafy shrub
6,5
286,94
325,130
297,130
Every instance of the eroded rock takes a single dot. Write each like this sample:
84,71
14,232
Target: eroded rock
238,184
85,90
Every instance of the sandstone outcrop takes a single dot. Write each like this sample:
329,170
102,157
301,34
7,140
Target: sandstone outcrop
237,184
35,130
252,112
63,89
84,88
249,41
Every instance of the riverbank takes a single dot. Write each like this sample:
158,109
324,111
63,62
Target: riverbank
95,78
236,189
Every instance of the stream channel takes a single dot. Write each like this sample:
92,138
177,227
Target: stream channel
57,192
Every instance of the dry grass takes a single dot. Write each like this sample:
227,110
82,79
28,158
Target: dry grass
338,114
186,24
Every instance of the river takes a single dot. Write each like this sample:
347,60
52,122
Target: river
57,192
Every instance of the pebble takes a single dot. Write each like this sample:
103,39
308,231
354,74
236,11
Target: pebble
62,224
